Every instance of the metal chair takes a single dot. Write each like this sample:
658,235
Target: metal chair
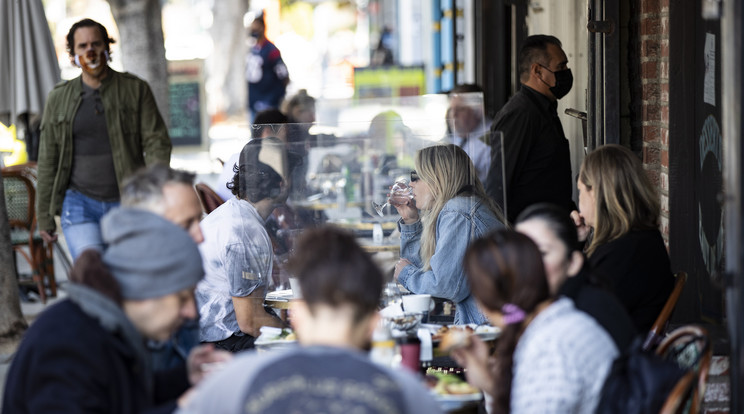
658,329
690,347
208,198
20,196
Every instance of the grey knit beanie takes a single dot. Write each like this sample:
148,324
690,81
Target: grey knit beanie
148,255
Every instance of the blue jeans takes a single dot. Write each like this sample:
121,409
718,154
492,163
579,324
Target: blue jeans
81,218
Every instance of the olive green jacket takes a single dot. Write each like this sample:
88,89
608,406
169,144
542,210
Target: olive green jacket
136,130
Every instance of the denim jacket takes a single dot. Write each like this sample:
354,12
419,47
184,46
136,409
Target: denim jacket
462,220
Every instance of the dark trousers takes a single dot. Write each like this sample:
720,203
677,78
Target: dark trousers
235,343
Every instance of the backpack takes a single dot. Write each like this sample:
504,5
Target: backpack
639,382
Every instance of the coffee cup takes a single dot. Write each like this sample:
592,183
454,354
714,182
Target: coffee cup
417,303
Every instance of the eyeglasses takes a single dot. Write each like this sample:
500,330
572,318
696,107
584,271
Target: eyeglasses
414,176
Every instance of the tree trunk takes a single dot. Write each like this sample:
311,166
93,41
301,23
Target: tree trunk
12,323
142,45
227,88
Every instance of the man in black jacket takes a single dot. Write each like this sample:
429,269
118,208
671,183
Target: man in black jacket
87,353
536,155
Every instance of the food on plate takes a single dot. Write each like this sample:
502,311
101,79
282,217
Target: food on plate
448,384
453,337
286,335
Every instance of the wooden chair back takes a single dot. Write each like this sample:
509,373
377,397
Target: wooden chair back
19,183
676,402
208,198
658,329
690,347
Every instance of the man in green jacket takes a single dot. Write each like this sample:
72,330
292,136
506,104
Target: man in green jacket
97,129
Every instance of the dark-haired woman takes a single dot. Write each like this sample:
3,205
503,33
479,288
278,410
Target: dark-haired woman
551,357
568,272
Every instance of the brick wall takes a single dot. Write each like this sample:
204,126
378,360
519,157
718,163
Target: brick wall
654,38
653,27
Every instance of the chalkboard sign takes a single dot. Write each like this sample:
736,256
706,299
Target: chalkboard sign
185,113
186,97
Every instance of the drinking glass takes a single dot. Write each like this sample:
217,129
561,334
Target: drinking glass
400,194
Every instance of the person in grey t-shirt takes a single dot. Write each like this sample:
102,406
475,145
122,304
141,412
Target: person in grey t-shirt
328,372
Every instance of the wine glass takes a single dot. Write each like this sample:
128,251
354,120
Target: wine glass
391,295
400,194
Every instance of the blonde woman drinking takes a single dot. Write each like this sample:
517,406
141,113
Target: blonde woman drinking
450,209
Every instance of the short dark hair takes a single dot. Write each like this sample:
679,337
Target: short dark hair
145,186
266,119
107,41
466,88
254,180
535,50
558,221
333,270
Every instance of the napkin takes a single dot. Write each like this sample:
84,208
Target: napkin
392,311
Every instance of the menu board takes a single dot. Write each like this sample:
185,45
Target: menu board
186,97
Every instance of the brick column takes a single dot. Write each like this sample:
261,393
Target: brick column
654,26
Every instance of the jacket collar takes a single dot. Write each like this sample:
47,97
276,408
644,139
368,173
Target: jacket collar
541,100
77,83
112,319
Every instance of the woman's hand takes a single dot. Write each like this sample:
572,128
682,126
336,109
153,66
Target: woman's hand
582,230
399,265
204,359
474,358
408,211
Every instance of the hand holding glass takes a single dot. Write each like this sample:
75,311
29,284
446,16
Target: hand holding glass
400,194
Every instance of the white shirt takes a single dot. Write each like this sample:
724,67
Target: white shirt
561,362
237,256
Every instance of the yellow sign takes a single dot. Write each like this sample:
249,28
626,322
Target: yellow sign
9,143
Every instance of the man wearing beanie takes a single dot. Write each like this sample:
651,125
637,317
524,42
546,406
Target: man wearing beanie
87,353
237,250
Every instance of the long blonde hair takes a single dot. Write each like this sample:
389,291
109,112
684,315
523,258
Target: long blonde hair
624,197
448,171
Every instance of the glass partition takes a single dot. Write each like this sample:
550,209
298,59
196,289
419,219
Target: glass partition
350,157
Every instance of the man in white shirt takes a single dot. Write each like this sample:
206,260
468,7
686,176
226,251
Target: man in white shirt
466,126
237,250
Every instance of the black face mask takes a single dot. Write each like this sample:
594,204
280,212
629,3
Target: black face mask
563,82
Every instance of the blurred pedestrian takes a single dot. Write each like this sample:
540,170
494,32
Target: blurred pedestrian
87,353
97,129
265,71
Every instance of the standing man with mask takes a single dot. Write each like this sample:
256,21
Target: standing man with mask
537,161
97,129
265,72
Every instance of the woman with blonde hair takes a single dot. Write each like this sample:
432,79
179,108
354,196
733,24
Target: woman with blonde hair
455,210
619,220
